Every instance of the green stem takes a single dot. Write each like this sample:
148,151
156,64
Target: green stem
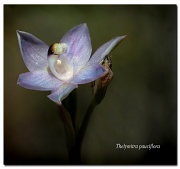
70,103
75,153
84,125
66,119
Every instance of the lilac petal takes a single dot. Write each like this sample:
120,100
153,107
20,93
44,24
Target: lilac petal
88,74
39,80
79,45
105,49
62,92
33,50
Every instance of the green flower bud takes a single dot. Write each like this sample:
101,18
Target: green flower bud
101,84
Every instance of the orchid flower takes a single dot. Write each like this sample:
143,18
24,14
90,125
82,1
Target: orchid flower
62,66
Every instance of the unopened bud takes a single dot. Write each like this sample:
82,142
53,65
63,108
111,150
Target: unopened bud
101,84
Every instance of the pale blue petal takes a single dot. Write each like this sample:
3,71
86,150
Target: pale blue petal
105,49
88,74
33,50
61,92
79,45
39,80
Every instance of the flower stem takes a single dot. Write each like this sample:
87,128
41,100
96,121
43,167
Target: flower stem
70,103
75,153
84,125
66,119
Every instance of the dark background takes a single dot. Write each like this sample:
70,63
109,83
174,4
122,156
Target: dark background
140,106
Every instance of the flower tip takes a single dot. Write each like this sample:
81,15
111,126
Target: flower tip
18,32
83,25
120,38
124,36
21,33
58,102
18,81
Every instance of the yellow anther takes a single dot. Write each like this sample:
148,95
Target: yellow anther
57,49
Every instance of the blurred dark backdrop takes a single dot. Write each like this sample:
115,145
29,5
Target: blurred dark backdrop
140,106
